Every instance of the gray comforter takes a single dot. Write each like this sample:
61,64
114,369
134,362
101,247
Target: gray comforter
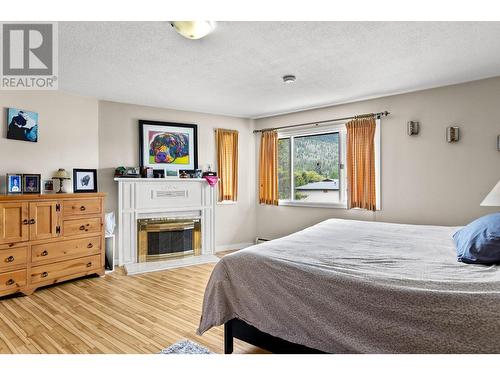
346,286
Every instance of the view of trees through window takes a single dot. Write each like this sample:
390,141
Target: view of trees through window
315,168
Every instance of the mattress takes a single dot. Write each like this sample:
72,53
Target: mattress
345,286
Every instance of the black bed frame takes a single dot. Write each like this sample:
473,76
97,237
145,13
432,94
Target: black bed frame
238,329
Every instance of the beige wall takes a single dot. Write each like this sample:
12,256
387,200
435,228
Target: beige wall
119,146
424,179
68,130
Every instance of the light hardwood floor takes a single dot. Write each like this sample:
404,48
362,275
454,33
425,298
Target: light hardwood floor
112,314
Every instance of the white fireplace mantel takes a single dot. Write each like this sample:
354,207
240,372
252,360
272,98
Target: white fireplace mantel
140,198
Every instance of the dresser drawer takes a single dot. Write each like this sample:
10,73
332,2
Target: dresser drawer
65,249
11,282
59,270
81,226
82,207
12,258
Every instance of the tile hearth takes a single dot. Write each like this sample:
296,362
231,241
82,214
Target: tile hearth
137,268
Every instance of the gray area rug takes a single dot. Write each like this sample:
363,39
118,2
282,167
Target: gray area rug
186,347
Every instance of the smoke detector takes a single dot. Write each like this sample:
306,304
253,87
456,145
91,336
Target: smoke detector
289,78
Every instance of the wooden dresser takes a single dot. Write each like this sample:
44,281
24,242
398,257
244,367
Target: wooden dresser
46,239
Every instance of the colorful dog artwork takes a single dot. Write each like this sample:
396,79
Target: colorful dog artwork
168,148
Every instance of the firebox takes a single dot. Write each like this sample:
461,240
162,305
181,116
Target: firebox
162,238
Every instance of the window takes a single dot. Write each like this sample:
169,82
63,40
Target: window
310,167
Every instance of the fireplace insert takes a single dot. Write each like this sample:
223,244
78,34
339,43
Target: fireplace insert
162,238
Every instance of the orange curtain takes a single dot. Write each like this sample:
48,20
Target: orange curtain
361,163
268,168
227,164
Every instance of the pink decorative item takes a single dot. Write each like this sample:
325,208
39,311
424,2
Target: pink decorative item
212,180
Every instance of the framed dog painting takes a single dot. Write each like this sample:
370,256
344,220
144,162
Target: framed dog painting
22,125
168,145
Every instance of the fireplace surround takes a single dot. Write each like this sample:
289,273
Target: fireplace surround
164,199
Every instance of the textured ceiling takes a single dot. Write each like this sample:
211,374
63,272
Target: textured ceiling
237,70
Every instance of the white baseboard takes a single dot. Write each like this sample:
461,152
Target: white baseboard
234,246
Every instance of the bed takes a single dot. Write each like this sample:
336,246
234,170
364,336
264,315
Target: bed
345,286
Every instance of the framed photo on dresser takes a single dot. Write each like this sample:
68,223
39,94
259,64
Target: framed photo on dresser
84,180
31,183
14,183
168,145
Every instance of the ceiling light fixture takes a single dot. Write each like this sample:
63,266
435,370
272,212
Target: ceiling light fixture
289,78
193,29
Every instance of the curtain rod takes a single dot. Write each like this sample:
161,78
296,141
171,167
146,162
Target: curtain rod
377,115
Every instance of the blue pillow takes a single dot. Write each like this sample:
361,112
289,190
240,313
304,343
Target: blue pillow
479,241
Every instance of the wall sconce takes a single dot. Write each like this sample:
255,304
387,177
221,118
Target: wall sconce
452,134
413,127
498,142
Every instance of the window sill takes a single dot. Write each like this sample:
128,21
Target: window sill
224,203
312,204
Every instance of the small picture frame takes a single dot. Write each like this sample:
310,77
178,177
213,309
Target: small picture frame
84,180
48,186
171,173
187,173
14,183
31,183
158,173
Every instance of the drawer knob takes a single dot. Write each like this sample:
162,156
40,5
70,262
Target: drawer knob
32,221
82,227
44,253
90,246
25,222
82,208
10,259
10,282
89,264
45,274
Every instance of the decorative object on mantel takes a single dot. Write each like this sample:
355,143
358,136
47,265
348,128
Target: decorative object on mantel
84,180
212,180
210,177
413,127
452,134
31,183
147,172
61,175
23,125
13,183
187,173
168,145
171,173
128,172
158,173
